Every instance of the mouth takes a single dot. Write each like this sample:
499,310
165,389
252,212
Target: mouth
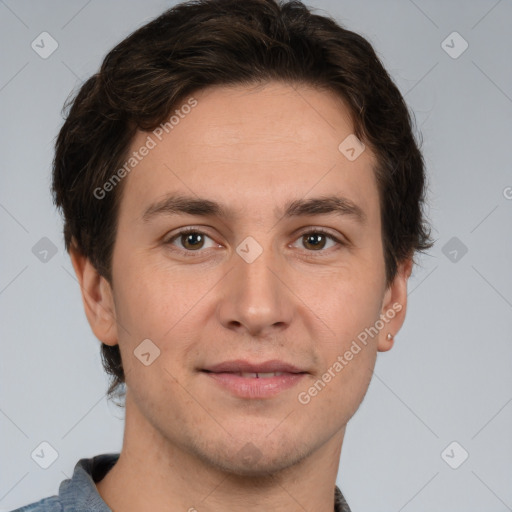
255,375
254,381
248,368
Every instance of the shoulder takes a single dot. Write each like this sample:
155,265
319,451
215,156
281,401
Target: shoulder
79,493
50,504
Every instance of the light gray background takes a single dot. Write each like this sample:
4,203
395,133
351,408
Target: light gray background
449,376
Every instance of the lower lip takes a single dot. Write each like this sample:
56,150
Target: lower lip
254,387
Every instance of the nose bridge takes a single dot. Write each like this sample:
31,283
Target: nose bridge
255,269
255,297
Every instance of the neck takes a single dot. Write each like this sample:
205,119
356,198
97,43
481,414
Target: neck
153,473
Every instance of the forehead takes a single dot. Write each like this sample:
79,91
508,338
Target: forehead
243,144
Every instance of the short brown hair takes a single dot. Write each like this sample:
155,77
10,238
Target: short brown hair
202,43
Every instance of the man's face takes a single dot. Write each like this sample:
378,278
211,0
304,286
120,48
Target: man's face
255,285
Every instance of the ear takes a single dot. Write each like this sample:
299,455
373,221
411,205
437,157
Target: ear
97,298
394,306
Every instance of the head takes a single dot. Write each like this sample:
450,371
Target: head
245,105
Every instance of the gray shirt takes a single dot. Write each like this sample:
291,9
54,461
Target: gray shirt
79,493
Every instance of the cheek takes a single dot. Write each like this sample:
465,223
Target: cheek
348,305
150,299
348,358
347,301
164,306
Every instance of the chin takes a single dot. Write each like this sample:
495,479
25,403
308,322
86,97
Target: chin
255,459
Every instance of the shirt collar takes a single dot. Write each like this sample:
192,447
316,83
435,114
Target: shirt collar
340,504
80,493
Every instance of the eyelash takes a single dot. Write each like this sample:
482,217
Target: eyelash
188,230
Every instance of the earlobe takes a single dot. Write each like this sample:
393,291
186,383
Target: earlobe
394,306
390,340
97,298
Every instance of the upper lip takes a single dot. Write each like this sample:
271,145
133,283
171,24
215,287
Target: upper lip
240,365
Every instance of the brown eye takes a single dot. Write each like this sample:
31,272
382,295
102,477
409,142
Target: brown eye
314,240
318,240
193,240
190,240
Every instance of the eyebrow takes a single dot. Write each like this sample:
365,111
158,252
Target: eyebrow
177,204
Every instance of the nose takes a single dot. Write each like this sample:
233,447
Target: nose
255,298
